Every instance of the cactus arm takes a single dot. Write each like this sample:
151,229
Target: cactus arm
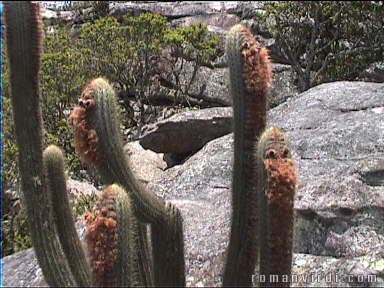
53,163
98,141
277,188
113,238
130,259
250,78
24,44
168,251
104,149
145,260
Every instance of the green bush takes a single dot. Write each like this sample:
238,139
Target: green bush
324,40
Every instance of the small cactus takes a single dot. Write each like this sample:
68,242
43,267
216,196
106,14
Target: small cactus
112,240
53,161
277,174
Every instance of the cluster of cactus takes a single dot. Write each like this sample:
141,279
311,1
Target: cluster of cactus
118,250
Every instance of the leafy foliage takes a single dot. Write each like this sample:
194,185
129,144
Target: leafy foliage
325,40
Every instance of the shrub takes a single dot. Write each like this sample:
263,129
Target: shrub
325,40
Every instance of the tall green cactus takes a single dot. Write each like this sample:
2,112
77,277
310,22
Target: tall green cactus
250,77
98,141
117,251
24,45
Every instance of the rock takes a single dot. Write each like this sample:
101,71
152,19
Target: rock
77,188
322,271
212,84
283,85
146,164
22,270
188,131
173,10
220,20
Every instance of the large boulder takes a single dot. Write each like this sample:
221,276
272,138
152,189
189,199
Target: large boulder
212,84
173,10
146,164
188,131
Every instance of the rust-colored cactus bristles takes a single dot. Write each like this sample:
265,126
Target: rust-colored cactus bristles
86,140
257,65
101,237
277,174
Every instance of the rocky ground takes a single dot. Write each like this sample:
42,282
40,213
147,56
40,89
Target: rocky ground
337,135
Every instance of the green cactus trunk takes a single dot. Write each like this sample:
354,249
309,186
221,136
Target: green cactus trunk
53,161
169,248
250,76
277,174
24,44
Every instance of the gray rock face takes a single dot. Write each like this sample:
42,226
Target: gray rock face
212,84
188,131
146,164
173,10
337,134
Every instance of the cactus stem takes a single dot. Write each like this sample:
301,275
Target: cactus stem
250,78
277,174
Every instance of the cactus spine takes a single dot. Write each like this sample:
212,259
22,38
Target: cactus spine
24,45
277,174
250,77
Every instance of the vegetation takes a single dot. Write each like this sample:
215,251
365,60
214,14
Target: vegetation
117,238
130,55
324,40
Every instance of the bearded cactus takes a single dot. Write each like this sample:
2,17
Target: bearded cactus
277,174
98,141
250,77
117,246
256,221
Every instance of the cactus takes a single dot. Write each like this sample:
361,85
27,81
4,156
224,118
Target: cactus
53,163
262,188
98,141
117,245
24,45
250,77
277,174
112,240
